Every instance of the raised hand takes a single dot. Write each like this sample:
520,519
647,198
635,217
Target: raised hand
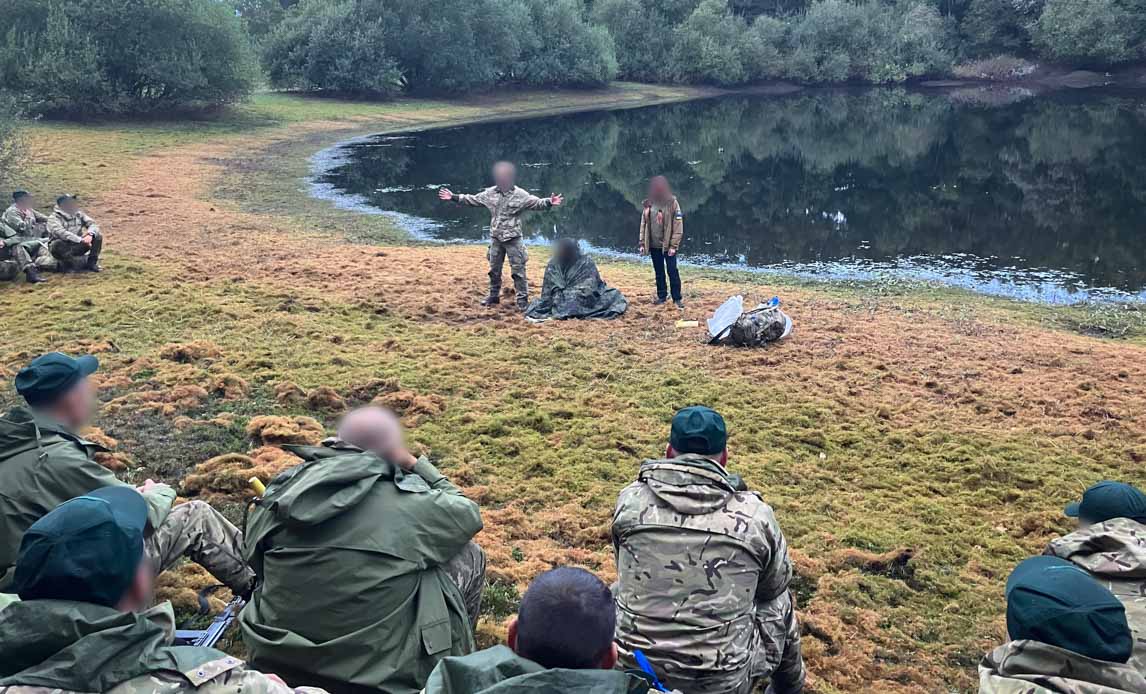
445,194
556,199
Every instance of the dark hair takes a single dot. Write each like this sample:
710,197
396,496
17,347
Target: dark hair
566,620
19,195
64,198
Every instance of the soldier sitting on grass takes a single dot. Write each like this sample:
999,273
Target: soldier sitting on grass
21,238
560,641
76,240
83,624
1110,545
1068,636
704,571
44,461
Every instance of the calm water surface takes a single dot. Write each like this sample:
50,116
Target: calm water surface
1043,199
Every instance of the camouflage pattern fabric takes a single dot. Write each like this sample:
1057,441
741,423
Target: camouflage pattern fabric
513,249
198,532
467,570
703,581
1114,553
505,209
17,254
66,233
63,647
9,270
30,224
1030,667
757,328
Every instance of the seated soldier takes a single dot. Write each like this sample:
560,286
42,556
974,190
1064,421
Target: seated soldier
577,657
75,238
20,237
573,288
1068,635
83,624
1110,545
704,571
368,575
44,461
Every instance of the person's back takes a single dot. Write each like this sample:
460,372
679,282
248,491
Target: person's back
355,559
703,576
80,624
560,641
1068,635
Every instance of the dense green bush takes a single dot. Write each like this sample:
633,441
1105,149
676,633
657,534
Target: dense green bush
561,48
1098,32
642,35
114,57
11,145
332,46
709,46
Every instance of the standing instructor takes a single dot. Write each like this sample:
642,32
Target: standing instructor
506,203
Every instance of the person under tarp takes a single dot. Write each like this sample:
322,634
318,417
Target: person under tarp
574,289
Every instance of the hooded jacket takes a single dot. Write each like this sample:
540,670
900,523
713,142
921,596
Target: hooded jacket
499,670
348,550
65,647
1031,667
1114,553
42,465
697,558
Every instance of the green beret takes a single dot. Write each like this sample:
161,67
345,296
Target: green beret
52,375
698,430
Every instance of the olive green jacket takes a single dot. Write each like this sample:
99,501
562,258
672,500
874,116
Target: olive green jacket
1030,667
348,550
499,670
60,647
42,465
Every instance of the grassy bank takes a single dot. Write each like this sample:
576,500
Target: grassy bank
915,442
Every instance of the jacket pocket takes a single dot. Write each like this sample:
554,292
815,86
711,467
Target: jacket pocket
437,636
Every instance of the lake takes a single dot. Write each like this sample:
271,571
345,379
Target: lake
1040,198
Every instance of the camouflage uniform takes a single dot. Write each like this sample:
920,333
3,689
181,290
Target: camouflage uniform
66,233
23,244
198,532
1031,667
505,233
58,647
703,587
1114,553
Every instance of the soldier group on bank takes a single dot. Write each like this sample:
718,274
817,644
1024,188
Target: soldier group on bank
363,576
32,242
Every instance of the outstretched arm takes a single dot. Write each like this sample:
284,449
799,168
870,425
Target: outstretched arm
535,203
476,200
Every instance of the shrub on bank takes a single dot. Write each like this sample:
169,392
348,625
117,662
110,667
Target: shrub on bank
121,57
1099,32
332,46
561,48
11,145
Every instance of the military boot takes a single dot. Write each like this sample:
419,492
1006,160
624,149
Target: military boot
491,300
33,276
522,304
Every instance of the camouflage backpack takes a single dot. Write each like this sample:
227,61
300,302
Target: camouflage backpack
758,328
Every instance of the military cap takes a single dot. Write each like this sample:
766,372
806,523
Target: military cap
52,375
1107,500
1053,601
64,198
699,430
19,195
87,549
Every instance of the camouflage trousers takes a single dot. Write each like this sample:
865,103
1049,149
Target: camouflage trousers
467,571
514,249
779,659
73,255
22,253
198,532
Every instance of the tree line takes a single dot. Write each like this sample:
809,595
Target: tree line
100,58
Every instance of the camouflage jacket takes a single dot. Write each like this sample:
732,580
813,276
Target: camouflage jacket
65,227
696,556
1030,667
505,209
59,647
32,225
1114,553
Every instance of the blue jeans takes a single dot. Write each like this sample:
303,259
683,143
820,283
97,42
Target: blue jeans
662,262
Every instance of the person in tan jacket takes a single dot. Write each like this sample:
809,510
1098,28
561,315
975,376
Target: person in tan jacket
662,230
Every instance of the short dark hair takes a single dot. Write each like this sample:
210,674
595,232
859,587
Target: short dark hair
566,620
19,195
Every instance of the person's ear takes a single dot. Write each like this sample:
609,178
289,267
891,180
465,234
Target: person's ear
138,595
610,660
512,636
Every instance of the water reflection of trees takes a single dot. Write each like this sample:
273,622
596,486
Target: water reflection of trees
1057,182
